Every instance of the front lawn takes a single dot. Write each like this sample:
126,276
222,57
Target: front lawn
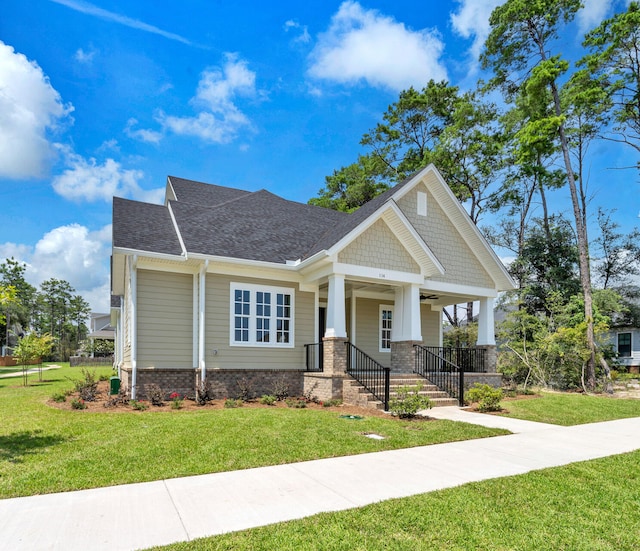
44,449
571,409
583,506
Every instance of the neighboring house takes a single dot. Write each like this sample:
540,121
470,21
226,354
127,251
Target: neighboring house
100,327
234,286
626,342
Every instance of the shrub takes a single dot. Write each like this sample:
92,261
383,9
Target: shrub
204,393
296,403
245,386
59,397
487,397
78,403
104,378
408,401
176,400
231,403
267,399
280,388
139,406
154,394
331,403
87,387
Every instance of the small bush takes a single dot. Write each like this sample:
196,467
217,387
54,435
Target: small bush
280,389
59,397
204,393
104,378
267,399
487,397
78,403
139,406
231,403
245,386
332,403
408,401
87,387
295,403
176,400
154,394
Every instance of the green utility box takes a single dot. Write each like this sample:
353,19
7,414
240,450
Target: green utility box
115,385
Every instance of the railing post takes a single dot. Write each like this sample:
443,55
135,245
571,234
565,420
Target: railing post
461,387
387,371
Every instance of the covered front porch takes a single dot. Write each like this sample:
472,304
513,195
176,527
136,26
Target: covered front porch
375,332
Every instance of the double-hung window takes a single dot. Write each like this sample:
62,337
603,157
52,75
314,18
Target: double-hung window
261,316
624,345
384,332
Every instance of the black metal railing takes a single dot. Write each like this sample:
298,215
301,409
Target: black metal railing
471,360
441,372
369,373
314,356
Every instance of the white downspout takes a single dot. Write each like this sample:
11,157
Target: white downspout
120,334
202,291
134,327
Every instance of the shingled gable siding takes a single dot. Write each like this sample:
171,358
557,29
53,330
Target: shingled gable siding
378,247
165,320
253,357
460,263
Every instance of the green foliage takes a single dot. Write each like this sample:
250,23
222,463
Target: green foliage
87,386
78,403
232,403
487,397
154,394
176,400
462,336
268,399
59,397
137,405
295,403
408,401
332,403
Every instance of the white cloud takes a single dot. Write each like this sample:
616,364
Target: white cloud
87,180
219,119
89,9
149,136
72,253
29,108
84,57
303,35
592,13
364,45
472,20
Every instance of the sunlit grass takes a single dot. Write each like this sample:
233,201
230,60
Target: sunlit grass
43,449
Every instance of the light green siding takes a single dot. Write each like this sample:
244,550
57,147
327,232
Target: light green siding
217,329
164,319
378,247
367,328
460,263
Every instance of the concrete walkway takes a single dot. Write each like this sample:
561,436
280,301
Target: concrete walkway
139,516
30,371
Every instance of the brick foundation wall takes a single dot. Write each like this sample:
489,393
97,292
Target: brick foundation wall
403,356
170,380
228,383
491,379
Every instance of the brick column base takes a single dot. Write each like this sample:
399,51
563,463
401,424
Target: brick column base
335,356
491,359
403,356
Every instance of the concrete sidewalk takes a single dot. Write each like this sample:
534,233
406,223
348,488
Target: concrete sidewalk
138,516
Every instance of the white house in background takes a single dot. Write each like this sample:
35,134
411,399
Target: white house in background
626,342
220,284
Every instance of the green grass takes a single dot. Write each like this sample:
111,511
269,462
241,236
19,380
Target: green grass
571,409
44,450
584,506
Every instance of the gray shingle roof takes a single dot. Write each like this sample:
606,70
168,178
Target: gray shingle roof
199,193
256,226
220,221
144,227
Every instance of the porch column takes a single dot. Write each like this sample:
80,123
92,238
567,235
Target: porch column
336,317
406,328
486,333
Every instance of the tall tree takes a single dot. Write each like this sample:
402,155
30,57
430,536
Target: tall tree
20,311
614,66
519,44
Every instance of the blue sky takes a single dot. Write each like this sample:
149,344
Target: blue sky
109,97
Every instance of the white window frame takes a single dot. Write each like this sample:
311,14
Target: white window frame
272,317
630,333
384,308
